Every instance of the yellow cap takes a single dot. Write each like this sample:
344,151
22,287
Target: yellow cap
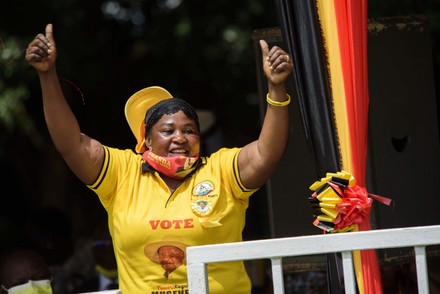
136,108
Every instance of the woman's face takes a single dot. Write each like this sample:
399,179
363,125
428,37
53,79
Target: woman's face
174,135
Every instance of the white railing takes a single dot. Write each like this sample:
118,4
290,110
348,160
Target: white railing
275,249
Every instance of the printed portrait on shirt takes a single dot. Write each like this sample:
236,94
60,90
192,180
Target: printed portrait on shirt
170,255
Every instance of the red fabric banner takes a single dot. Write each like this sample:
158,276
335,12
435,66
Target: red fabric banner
351,19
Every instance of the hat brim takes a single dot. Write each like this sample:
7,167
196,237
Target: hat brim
136,108
150,250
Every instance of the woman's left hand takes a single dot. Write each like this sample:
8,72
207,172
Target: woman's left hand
277,64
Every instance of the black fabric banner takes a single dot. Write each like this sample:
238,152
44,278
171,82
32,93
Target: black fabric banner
301,32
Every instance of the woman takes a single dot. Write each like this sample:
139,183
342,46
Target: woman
166,193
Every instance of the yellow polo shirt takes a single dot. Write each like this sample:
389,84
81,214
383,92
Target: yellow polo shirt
207,208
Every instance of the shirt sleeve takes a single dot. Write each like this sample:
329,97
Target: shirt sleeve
116,167
227,160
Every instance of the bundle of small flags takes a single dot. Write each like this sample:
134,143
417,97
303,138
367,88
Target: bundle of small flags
339,204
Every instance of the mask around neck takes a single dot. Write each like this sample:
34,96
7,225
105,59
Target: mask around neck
177,167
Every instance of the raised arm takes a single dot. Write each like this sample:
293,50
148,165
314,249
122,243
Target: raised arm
258,160
83,154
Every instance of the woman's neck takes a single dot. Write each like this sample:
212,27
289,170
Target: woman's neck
171,182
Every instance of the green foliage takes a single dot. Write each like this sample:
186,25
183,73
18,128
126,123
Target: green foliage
13,93
200,50
11,105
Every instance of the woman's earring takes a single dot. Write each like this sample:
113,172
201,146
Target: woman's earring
150,148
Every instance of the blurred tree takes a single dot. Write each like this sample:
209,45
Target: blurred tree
200,50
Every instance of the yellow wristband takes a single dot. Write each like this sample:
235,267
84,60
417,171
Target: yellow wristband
277,103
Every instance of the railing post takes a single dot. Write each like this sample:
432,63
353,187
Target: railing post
198,278
277,275
422,269
349,277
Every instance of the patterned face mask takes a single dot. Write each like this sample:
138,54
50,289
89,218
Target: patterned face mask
31,287
175,167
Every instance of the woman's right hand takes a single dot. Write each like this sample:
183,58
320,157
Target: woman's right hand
41,53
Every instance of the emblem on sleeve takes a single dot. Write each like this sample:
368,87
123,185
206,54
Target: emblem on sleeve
201,203
203,189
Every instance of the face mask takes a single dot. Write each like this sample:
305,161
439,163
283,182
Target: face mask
32,287
175,167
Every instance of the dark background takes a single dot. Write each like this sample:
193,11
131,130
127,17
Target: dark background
201,51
